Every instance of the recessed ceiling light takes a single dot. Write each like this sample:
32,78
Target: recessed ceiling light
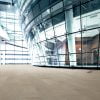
48,11
9,6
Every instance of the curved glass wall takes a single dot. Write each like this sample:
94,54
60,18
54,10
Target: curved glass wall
62,33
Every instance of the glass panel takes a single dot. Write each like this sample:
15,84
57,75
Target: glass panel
17,27
60,29
58,18
49,33
42,35
36,10
12,51
44,5
90,47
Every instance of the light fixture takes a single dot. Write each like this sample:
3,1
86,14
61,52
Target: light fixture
9,6
79,49
48,11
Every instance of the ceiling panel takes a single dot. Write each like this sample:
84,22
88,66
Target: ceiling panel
6,1
7,5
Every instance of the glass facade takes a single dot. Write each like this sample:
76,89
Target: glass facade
13,49
62,33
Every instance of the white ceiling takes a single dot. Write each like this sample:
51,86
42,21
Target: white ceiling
5,7
6,0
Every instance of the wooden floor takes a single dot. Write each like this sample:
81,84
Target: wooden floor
34,83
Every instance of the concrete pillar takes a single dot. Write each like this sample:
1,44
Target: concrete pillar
71,37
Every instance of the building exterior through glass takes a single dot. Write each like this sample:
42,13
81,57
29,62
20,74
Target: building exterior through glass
13,47
62,33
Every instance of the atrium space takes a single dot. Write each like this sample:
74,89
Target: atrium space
49,49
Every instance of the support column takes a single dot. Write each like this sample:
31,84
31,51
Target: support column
70,37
